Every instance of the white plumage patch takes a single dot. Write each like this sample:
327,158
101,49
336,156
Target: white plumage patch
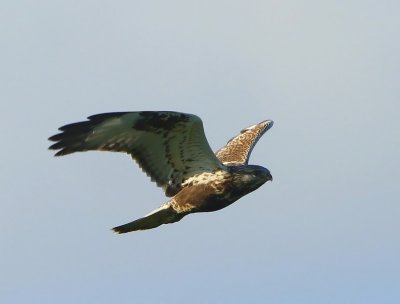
206,178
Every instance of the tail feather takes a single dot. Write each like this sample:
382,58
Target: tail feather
163,215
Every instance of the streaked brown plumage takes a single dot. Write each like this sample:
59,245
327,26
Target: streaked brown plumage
172,149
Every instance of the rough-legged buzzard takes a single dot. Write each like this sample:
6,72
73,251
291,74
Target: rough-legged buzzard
172,149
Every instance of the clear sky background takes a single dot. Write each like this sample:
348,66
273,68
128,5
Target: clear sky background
326,230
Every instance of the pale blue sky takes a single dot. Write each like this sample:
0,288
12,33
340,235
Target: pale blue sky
326,230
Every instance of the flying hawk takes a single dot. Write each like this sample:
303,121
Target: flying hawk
172,149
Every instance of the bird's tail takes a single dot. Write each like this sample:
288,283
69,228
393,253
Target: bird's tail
163,215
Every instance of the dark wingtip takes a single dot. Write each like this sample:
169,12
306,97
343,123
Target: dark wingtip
56,137
59,146
62,153
268,123
72,136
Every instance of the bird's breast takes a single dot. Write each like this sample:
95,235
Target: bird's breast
207,192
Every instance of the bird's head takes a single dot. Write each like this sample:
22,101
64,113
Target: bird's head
250,177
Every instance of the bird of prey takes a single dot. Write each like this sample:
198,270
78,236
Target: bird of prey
172,149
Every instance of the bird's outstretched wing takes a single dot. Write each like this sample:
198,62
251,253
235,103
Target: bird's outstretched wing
169,146
237,150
